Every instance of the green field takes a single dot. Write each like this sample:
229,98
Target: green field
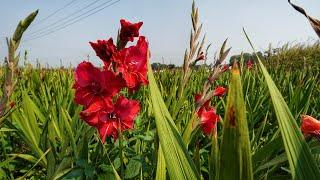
44,134
257,136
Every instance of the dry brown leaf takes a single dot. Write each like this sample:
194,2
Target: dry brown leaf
315,23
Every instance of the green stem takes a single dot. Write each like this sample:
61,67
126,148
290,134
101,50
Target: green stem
188,129
114,170
213,164
121,154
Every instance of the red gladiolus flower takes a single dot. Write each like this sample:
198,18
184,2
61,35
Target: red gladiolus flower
197,98
129,30
205,106
97,90
250,64
207,115
93,85
201,57
132,64
104,50
310,126
219,91
208,121
94,112
109,123
225,68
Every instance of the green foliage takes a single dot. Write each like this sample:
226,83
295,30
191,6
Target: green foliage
302,164
43,137
294,56
11,63
235,150
46,96
178,161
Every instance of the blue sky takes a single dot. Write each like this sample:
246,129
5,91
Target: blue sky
166,25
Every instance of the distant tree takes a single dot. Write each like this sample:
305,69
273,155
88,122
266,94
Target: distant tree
246,57
171,66
155,66
159,66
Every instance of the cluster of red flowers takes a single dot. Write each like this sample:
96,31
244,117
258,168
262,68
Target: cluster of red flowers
207,114
98,89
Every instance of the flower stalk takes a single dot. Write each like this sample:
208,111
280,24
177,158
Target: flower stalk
214,156
209,117
195,51
121,154
11,62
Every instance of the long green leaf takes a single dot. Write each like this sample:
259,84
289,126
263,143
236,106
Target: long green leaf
161,166
38,161
26,119
302,164
178,161
235,153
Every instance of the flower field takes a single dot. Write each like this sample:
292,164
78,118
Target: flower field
254,118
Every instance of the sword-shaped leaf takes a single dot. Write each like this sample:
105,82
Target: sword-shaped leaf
235,153
178,161
301,162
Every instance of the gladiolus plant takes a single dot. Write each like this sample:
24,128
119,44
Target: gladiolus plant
99,90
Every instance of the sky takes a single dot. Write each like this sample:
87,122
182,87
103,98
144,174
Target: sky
167,26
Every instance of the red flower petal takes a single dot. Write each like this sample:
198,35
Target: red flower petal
104,50
208,121
93,85
310,126
224,68
84,73
197,97
91,114
200,57
113,83
132,63
110,121
129,30
205,106
219,91
107,129
127,110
